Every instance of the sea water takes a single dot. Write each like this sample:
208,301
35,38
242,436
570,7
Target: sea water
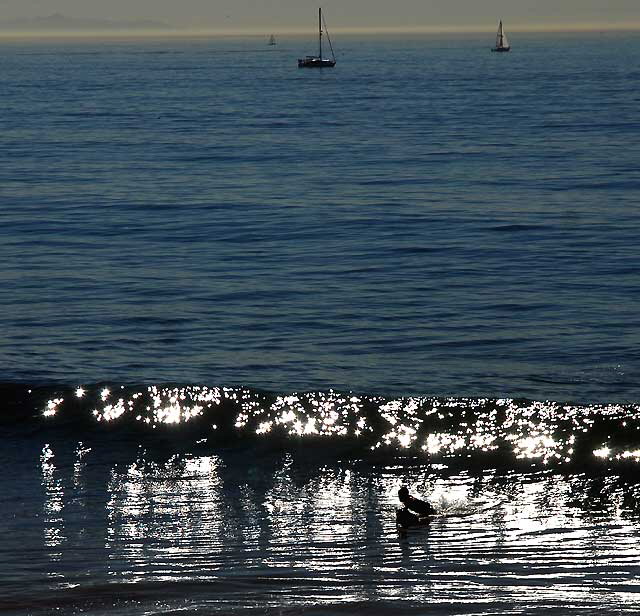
241,303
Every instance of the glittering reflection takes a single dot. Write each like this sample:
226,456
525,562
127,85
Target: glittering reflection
67,500
170,512
81,454
519,537
53,519
52,407
319,526
246,526
544,432
295,495
495,524
157,405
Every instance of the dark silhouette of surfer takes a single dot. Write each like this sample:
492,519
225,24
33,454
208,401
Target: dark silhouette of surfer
414,510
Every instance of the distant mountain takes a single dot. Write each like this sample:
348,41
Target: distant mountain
58,22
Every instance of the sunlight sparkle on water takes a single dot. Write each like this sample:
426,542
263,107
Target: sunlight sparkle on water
541,431
52,407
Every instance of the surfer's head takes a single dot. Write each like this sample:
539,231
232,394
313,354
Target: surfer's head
403,493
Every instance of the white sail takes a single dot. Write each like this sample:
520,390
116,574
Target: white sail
501,38
326,32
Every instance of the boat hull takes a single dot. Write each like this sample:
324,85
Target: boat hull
315,63
501,49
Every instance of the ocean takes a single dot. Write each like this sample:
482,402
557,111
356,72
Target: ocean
242,303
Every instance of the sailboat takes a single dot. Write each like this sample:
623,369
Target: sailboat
502,44
318,61
272,40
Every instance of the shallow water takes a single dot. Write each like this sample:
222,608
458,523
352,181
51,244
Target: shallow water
239,506
288,533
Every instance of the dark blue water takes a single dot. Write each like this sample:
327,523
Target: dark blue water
427,218
242,303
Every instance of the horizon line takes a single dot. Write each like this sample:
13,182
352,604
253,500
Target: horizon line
187,32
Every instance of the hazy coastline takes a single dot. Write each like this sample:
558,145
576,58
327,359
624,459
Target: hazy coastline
62,26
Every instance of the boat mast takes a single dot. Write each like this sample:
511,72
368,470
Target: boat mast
320,33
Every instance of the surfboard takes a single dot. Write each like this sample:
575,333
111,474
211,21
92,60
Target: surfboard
406,519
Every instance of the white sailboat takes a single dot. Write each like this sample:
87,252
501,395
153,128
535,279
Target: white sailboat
502,44
318,61
272,40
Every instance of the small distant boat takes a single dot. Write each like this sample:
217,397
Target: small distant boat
272,40
318,61
502,44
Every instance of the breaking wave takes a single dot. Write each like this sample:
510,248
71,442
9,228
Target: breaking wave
440,430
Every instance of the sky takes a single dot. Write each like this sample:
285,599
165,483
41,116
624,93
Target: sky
291,15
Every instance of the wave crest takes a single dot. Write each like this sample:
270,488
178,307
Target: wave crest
497,431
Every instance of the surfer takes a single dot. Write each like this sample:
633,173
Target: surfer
414,504
414,510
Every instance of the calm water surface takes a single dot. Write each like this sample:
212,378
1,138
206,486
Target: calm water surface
428,217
